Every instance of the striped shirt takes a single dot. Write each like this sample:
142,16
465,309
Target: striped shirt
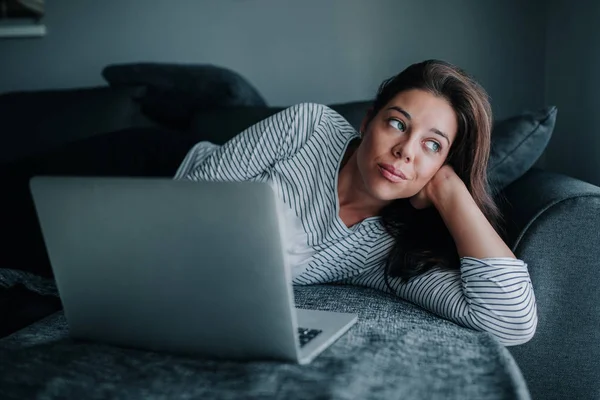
299,152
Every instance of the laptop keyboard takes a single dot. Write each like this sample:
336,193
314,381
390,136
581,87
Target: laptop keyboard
306,335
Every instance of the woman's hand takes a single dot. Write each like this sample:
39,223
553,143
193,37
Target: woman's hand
470,229
441,182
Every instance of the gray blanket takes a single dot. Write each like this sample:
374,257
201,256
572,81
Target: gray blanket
396,351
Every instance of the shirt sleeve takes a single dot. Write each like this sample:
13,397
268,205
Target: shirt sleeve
494,295
253,151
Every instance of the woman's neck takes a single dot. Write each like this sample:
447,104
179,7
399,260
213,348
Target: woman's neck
355,202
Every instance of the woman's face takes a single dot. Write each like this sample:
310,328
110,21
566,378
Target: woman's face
405,144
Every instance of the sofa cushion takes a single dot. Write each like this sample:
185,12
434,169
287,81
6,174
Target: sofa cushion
173,92
395,350
517,142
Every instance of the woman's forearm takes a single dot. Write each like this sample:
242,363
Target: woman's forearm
473,235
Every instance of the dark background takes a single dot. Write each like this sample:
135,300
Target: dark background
526,53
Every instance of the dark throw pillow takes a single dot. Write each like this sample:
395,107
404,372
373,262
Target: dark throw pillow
517,143
174,92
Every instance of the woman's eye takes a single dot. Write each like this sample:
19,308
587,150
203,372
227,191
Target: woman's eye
435,146
397,124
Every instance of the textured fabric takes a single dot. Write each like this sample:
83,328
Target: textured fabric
299,152
556,230
395,351
24,299
35,283
517,143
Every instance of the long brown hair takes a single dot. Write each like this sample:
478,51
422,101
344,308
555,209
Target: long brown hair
422,241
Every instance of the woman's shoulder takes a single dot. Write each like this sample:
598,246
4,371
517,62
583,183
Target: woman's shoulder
315,109
324,117
308,106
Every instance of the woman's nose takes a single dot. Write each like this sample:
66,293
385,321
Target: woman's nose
405,150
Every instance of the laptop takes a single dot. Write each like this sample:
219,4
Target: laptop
194,268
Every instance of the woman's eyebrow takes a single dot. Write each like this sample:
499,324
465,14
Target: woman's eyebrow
408,117
401,111
438,132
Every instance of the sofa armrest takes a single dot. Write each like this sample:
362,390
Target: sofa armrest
553,224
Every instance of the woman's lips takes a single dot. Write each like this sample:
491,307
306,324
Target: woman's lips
391,174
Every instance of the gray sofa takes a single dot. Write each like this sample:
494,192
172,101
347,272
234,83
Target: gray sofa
553,223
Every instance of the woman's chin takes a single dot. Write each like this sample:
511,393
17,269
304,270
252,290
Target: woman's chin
386,193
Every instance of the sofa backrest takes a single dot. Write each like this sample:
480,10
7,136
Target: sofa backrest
37,121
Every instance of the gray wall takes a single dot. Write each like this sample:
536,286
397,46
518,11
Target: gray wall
573,84
311,50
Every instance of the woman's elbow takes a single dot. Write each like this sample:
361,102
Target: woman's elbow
521,336
510,330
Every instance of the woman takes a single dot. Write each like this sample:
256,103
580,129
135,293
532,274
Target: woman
402,205
357,202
